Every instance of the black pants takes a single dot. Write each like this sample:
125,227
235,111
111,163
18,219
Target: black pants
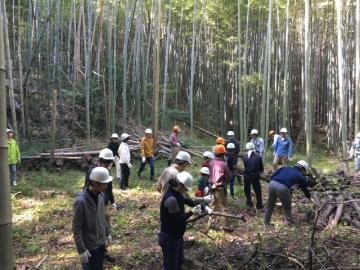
96,261
253,181
125,173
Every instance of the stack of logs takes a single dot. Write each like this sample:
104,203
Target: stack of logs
82,157
337,200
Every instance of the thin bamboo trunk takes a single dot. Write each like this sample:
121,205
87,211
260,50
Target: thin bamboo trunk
357,75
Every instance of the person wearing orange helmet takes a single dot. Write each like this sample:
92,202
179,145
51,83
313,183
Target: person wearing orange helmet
219,176
175,144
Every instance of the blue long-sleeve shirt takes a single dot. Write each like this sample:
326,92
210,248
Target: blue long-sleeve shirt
284,147
291,176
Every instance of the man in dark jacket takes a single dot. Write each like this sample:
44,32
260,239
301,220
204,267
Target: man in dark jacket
173,220
89,226
114,147
231,139
253,167
105,160
280,186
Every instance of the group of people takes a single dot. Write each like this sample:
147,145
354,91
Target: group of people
91,221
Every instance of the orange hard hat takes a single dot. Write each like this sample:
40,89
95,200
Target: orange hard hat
220,140
271,132
176,129
220,149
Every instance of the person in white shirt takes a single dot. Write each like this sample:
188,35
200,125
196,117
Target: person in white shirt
125,157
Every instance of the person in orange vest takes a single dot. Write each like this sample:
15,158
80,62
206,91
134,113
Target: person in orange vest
147,146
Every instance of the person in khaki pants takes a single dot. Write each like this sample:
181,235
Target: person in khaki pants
219,176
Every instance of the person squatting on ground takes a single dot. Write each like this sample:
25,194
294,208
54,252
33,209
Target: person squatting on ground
114,147
106,158
355,152
280,186
147,148
219,176
203,182
208,156
125,157
90,229
181,162
253,165
175,144
231,161
283,149
173,220
258,143
14,156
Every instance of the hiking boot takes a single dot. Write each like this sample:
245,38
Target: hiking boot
109,259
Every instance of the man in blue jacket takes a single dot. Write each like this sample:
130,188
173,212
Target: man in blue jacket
283,149
280,186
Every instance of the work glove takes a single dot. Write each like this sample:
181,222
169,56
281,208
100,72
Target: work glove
289,159
214,186
129,165
84,257
114,206
109,239
209,199
178,144
196,210
208,210
312,200
206,190
143,160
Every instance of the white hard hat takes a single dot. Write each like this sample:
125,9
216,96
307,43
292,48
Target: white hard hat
8,130
148,131
249,146
230,133
101,175
254,132
303,164
283,130
114,136
186,179
205,170
208,154
230,146
183,156
106,154
358,135
124,136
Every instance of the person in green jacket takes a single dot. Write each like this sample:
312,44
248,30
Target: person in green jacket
13,156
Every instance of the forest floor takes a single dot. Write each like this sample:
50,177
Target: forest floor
42,212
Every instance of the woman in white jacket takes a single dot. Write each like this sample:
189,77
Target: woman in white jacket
124,156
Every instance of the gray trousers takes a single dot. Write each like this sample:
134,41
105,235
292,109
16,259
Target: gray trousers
277,190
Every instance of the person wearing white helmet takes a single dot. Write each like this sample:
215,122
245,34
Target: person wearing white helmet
14,156
181,162
114,147
231,161
281,184
173,220
125,158
208,156
90,230
253,165
355,152
147,148
105,160
230,136
283,149
258,142
203,182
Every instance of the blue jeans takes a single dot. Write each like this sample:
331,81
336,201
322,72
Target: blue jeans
96,261
173,252
12,169
151,162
